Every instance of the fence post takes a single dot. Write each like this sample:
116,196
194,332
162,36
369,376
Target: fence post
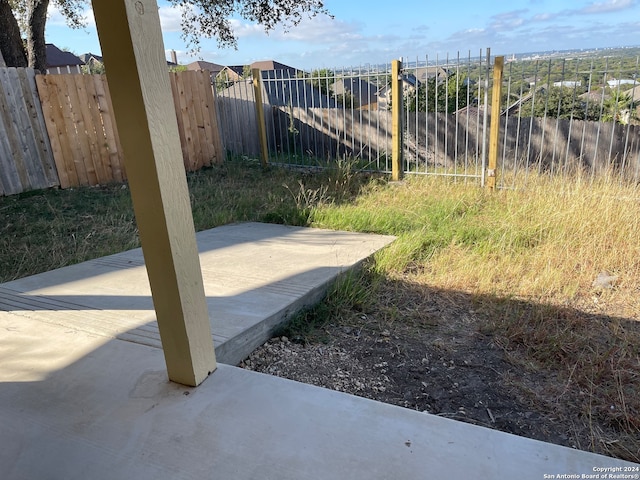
494,133
396,120
262,128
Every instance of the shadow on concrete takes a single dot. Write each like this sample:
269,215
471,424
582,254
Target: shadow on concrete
76,406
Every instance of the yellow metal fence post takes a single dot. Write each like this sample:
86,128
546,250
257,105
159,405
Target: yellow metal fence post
494,134
260,120
396,120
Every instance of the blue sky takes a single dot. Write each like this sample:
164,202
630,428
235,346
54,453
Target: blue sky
378,31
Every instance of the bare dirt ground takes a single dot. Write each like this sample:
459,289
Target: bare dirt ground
434,351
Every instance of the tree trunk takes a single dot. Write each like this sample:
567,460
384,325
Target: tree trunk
11,46
36,46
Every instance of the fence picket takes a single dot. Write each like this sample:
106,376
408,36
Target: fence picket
112,140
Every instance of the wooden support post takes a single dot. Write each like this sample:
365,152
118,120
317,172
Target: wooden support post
260,120
494,133
131,41
396,120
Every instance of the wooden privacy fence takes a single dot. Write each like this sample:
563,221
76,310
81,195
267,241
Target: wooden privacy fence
79,119
197,116
84,138
26,160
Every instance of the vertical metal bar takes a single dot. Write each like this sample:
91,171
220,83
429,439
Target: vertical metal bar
516,154
446,114
436,111
308,111
417,130
555,136
573,104
426,113
477,152
262,129
485,114
455,117
631,109
615,114
396,127
466,135
586,115
506,130
544,119
595,150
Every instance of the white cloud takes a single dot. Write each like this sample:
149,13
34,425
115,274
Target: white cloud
56,18
507,20
322,29
608,6
245,30
170,19
544,17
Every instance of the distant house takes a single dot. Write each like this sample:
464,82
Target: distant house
409,84
423,74
230,74
59,61
277,66
93,63
364,94
234,73
532,81
568,83
614,82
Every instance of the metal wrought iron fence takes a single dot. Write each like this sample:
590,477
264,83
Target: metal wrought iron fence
558,116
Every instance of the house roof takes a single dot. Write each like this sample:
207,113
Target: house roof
58,58
213,68
425,73
88,57
410,79
273,65
237,69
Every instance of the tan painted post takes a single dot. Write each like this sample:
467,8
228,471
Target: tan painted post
131,41
396,120
262,128
494,133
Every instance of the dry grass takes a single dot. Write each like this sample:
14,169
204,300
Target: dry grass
530,258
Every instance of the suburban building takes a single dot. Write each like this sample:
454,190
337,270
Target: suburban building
568,83
93,64
427,73
230,74
363,93
409,84
59,61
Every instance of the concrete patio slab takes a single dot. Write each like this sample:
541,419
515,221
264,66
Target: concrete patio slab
255,276
79,406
